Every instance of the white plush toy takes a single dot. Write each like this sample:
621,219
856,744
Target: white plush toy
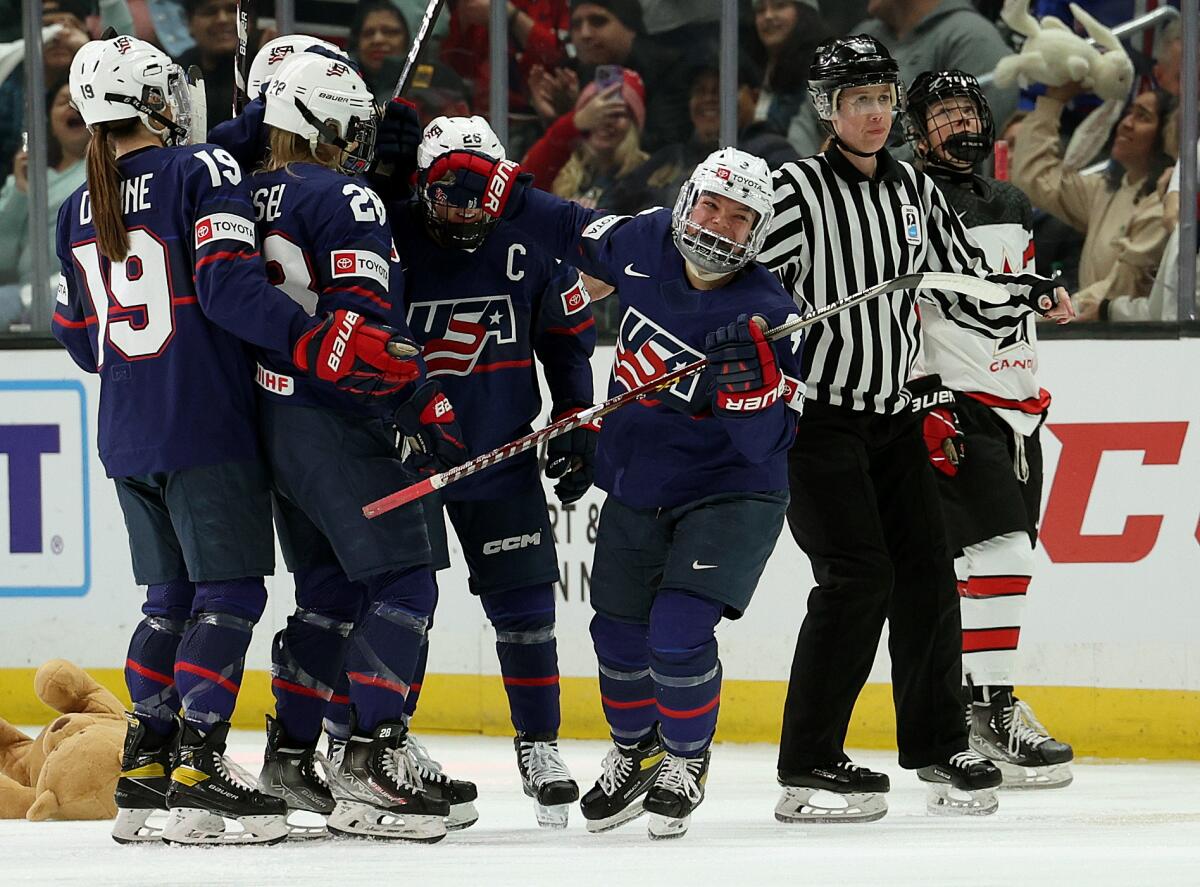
1053,54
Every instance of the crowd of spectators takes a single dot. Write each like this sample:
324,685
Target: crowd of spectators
613,103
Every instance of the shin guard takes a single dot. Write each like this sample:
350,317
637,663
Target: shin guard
150,663
626,690
993,580
524,623
685,670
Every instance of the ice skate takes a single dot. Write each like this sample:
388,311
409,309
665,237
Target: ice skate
458,793
1004,730
546,779
289,772
838,792
379,794
678,789
963,785
142,786
627,773
208,790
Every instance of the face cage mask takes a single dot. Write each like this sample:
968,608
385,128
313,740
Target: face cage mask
969,148
706,249
358,147
449,234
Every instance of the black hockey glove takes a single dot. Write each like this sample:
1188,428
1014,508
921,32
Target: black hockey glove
396,143
1043,294
571,457
943,436
435,440
743,375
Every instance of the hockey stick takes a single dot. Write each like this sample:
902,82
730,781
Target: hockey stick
432,11
983,290
241,58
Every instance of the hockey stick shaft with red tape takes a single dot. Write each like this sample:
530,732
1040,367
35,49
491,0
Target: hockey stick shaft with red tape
983,290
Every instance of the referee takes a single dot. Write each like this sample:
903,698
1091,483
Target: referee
864,503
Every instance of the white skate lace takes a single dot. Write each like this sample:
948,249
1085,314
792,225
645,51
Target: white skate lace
430,770
543,763
850,767
964,759
401,770
232,773
676,776
1022,726
616,767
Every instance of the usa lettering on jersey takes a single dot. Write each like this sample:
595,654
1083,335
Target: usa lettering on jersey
224,226
646,351
460,330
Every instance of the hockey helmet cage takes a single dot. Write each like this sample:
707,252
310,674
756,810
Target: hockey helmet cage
441,136
123,78
275,52
931,88
327,102
847,62
739,176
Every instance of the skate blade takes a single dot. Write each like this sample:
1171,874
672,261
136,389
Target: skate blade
134,825
629,814
306,825
1018,778
664,828
357,819
553,816
945,800
189,826
461,816
805,805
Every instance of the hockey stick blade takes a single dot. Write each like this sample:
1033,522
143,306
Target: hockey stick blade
960,283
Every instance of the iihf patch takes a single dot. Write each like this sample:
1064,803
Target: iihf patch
912,224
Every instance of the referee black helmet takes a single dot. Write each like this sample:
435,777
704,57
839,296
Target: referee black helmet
932,88
846,62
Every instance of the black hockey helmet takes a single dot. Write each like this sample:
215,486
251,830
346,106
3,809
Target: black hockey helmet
933,87
846,62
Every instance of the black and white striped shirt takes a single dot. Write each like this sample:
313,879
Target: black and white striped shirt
837,232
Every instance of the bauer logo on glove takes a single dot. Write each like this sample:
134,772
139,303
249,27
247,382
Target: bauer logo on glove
943,437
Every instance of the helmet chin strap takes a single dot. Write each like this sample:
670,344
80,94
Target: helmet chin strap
701,274
837,140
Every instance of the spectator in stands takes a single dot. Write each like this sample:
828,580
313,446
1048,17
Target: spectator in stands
1120,212
1168,63
687,26
436,89
657,181
67,140
610,32
938,35
213,25
843,15
588,151
781,43
379,39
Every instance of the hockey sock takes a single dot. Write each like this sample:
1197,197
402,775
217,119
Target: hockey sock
387,643
307,656
150,664
336,716
626,690
993,579
685,669
414,690
212,653
524,623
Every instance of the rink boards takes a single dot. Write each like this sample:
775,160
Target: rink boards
1109,652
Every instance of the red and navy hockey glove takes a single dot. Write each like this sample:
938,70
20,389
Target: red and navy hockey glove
571,458
349,351
743,375
943,436
470,178
436,442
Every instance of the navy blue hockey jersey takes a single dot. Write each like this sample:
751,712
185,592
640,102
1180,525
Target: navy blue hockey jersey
176,384
651,454
481,317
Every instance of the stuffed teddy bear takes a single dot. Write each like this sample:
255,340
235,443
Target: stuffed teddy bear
70,770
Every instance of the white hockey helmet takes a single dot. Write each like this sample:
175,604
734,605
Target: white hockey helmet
326,102
443,217
739,176
273,54
124,78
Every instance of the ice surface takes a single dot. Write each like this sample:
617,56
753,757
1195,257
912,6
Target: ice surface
1120,824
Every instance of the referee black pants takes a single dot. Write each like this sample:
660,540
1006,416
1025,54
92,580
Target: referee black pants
865,510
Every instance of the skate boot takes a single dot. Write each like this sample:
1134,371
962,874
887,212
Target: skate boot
379,793
142,787
207,788
335,747
837,792
545,778
628,772
289,771
1004,730
678,789
458,793
963,785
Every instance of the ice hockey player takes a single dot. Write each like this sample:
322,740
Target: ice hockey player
327,243
696,478
161,280
992,499
864,504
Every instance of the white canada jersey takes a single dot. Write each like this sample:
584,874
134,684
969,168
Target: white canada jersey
1001,373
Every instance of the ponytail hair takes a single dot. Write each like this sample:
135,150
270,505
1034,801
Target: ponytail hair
104,190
